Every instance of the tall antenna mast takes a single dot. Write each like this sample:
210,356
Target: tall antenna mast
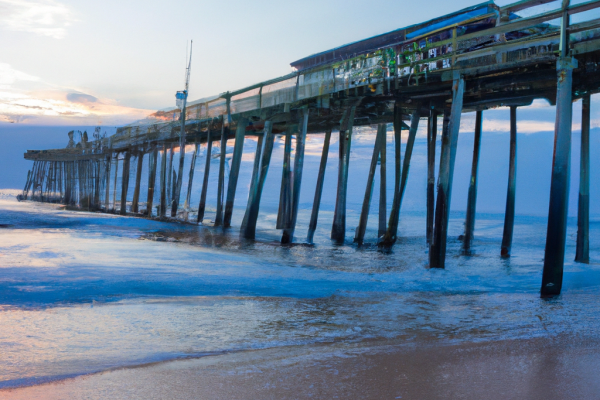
181,97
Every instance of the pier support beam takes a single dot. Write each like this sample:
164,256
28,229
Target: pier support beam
312,226
382,182
107,187
188,196
125,182
236,162
288,232
170,182
359,234
221,184
266,145
437,250
391,235
286,180
431,141
163,182
338,229
202,204
114,202
138,181
472,197
509,215
582,252
559,188
152,159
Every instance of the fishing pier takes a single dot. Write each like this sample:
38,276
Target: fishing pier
472,60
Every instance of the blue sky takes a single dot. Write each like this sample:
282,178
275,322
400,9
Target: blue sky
128,57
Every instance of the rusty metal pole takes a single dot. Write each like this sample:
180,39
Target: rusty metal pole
437,250
472,199
582,253
509,215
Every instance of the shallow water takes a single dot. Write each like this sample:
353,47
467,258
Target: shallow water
83,292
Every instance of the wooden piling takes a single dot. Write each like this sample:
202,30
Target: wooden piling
285,191
359,234
236,162
382,182
202,205
437,250
390,236
125,182
288,233
509,215
249,223
253,183
97,176
338,228
559,188
152,160
431,141
191,176
138,181
582,251
472,196
107,187
170,182
221,184
114,202
312,226
163,182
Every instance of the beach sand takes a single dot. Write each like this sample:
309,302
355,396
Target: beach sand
564,367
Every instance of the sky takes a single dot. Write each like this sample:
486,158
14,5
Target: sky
83,62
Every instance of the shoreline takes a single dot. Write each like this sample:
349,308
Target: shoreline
560,367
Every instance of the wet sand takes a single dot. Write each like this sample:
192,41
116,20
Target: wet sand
563,367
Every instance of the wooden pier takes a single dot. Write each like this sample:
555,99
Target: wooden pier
475,59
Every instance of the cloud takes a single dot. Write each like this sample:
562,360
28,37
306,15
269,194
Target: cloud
81,98
28,99
42,17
